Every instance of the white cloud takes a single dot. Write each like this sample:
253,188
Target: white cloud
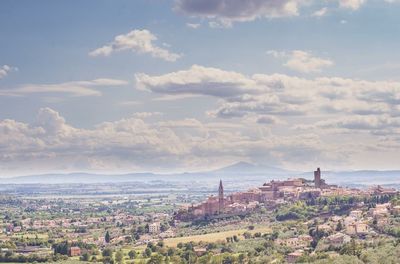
5,70
361,123
277,94
50,143
77,88
193,25
302,61
351,4
138,41
198,80
321,12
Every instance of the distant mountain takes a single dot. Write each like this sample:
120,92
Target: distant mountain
249,168
241,172
75,178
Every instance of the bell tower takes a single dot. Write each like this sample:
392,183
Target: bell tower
317,178
221,197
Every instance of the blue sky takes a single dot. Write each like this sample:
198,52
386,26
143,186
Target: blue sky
289,83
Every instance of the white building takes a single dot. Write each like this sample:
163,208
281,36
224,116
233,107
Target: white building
154,228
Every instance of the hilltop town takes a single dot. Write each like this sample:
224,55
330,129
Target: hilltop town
282,221
271,194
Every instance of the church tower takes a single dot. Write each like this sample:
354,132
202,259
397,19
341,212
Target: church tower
317,178
221,197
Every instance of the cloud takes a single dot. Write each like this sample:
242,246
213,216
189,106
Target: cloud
50,143
197,80
76,89
321,12
268,120
143,115
193,25
279,95
368,123
5,70
302,61
138,41
225,12
351,4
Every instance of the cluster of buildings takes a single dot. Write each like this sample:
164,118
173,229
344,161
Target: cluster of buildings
271,193
361,224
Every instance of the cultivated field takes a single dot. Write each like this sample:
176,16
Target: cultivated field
214,237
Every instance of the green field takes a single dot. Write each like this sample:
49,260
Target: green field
213,237
30,236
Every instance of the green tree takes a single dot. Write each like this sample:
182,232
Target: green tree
108,252
155,259
132,254
339,226
107,237
85,257
147,252
119,257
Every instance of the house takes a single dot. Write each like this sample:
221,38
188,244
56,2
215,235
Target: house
338,239
74,251
200,251
294,256
154,228
325,228
357,228
396,210
302,241
357,214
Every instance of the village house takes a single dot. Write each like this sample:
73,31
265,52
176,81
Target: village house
154,228
294,256
338,239
357,228
300,242
74,251
200,251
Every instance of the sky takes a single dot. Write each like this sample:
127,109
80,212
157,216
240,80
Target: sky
191,85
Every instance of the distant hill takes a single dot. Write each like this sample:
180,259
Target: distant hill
246,168
241,172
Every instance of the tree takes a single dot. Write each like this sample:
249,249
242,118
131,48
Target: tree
147,253
119,257
339,226
85,257
108,260
242,258
132,254
247,235
170,252
228,260
61,248
155,259
160,244
108,252
107,237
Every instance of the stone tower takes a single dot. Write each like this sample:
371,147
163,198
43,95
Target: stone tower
317,178
221,197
